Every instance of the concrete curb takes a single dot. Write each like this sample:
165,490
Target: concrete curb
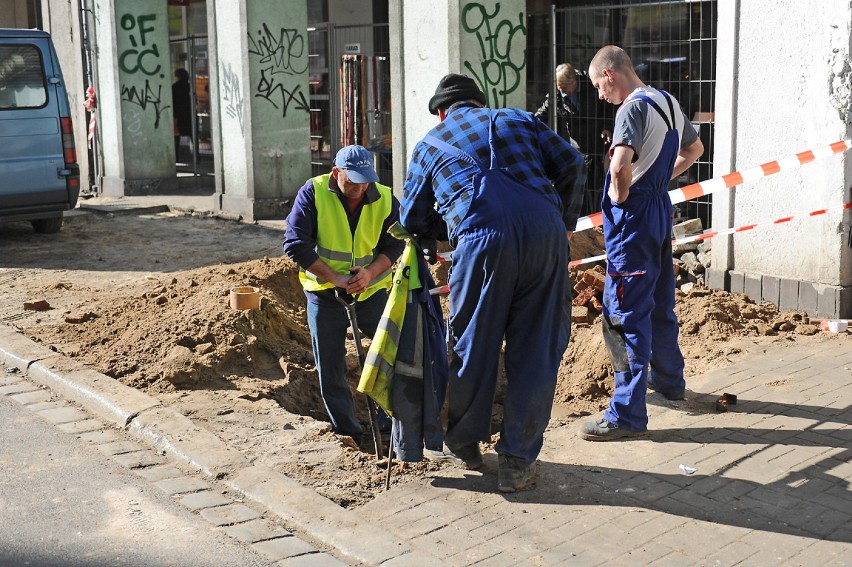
177,436
309,511
118,208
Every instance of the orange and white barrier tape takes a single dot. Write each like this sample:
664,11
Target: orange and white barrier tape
710,234
444,289
90,104
746,227
735,178
91,135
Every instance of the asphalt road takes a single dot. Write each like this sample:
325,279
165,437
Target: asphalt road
62,503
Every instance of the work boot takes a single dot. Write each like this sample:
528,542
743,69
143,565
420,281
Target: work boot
469,454
514,474
603,430
443,456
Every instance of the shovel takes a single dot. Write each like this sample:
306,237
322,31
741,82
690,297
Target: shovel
356,333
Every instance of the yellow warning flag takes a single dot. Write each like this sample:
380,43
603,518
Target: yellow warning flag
377,374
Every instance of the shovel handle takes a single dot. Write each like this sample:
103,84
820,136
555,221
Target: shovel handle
359,348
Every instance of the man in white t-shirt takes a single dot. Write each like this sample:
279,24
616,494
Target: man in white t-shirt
652,143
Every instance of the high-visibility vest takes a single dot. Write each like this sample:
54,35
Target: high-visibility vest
337,246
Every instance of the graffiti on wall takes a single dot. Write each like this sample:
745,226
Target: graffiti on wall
142,79
146,97
502,51
232,95
282,62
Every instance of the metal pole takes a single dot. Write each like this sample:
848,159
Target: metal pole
552,73
190,62
90,81
334,95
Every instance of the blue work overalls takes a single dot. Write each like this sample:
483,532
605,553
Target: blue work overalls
509,279
639,323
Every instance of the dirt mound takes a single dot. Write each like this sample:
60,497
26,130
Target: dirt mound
180,334
711,322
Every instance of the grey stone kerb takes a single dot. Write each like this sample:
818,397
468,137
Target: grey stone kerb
299,507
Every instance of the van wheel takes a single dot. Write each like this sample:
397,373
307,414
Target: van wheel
47,226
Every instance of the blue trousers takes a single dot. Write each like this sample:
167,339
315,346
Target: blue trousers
329,323
509,280
640,327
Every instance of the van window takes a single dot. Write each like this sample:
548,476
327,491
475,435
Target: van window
21,77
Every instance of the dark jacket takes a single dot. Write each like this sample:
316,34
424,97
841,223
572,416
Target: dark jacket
421,372
182,107
583,122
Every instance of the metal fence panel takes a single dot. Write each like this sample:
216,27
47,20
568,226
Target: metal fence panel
673,47
349,74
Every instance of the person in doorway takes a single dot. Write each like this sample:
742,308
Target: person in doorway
337,232
505,190
584,120
653,142
182,109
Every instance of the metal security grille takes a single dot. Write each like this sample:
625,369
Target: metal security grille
349,75
673,47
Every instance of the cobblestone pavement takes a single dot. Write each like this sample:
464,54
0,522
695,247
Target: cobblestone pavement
771,485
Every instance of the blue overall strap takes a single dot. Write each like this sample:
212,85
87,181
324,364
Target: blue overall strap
670,124
453,151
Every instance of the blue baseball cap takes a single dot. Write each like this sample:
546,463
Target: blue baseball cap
358,164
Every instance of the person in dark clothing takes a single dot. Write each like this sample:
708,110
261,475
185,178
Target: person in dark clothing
506,190
582,119
337,232
181,108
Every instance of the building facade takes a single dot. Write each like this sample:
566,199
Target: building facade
278,85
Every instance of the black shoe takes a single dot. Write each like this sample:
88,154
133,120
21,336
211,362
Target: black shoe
674,396
514,474
469,454
603,430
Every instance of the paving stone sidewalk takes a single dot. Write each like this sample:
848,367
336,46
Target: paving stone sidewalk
771,484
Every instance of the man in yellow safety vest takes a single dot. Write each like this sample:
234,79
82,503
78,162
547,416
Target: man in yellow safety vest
337,234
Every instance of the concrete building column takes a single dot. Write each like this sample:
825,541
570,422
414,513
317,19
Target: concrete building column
69,49
135,113
262,99
483,39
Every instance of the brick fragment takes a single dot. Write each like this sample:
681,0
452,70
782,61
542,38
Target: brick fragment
595,304
584,296
79,317
36,305
594,279
579,314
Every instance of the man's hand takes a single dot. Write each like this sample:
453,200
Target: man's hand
359,280
341,281
429,247
430,250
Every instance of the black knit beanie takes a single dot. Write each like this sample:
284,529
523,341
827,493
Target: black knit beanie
453,88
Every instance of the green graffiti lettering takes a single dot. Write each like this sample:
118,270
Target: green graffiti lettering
133,60
495,71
